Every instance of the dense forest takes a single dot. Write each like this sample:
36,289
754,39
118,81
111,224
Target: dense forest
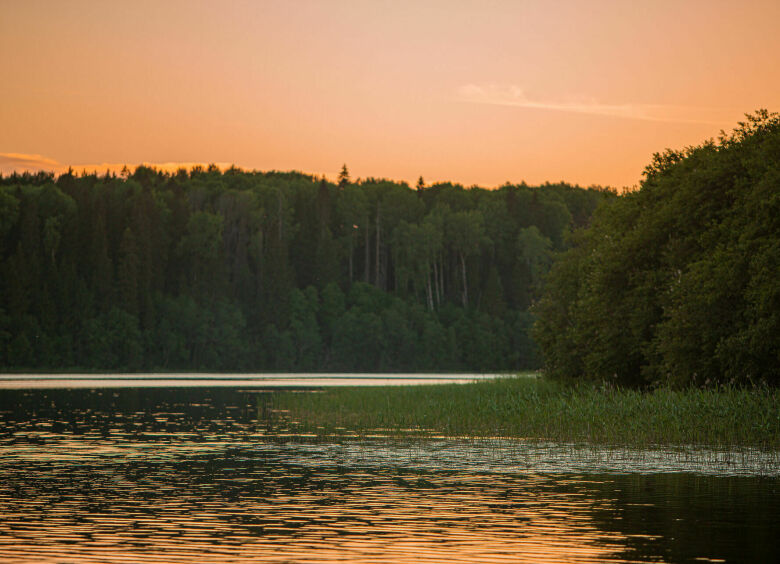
679,282
248,271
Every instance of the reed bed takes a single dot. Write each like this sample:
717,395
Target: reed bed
536,408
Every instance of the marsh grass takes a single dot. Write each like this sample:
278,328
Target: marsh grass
536,408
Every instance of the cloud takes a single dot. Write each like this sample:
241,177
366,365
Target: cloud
20,162
512,95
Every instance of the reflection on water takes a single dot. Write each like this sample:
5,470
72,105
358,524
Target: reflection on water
177,475
263,380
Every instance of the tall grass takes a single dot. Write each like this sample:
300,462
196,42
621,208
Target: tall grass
536,408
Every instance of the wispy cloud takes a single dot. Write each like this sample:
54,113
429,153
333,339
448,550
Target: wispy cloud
512,95
20,162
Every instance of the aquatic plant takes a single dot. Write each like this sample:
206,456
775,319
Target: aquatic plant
538,408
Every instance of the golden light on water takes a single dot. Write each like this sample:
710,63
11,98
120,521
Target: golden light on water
356,518
115,475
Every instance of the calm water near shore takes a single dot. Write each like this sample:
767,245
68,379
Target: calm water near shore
265,380
151,474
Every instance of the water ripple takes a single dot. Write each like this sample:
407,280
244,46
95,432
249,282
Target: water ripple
184,475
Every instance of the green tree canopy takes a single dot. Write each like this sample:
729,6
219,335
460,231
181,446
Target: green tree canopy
677,282
237,270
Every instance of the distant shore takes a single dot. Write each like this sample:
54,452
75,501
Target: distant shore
536,408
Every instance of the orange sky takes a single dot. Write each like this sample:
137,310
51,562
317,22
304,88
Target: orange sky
474,92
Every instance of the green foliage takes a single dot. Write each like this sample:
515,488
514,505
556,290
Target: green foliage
676,283
304,329
205,270
112,341
9,212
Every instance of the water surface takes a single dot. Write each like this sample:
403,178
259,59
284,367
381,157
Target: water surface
196,473
199,379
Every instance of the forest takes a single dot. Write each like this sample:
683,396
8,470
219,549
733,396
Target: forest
210,270
677,283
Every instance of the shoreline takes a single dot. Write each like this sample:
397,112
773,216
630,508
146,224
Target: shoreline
248,380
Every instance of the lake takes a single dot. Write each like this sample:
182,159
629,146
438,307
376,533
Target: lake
280,380
140,473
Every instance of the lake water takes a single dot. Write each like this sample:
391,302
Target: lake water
145,474
265,380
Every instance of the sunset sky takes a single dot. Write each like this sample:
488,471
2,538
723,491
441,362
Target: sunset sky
473,92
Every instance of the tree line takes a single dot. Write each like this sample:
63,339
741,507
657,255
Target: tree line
234,270
677,283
